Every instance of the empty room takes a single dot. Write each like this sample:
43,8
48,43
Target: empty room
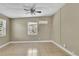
39,29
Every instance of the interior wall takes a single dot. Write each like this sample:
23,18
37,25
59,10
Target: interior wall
55,32
70,27
19,29
68,21
6,38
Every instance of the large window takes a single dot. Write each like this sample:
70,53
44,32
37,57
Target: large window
2,27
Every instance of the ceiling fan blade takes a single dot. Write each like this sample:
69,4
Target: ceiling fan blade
27,9
38,11
33,13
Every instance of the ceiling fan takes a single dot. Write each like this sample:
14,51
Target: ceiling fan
32,10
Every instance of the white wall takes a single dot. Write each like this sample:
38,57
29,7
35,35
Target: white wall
55,34
19,29
65,27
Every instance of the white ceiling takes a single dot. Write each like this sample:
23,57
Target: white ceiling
14,10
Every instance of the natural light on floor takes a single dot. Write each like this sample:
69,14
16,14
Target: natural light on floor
32,52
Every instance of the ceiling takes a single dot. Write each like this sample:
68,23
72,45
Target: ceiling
15,10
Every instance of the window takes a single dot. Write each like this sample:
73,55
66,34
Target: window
2,27
32,28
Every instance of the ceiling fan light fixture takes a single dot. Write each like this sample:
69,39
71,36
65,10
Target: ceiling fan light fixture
32,10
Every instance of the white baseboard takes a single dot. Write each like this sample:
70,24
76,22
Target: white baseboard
69,52
66,50
28,41
4,44
20,42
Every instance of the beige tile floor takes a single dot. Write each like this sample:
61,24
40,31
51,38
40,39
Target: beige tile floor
32,49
